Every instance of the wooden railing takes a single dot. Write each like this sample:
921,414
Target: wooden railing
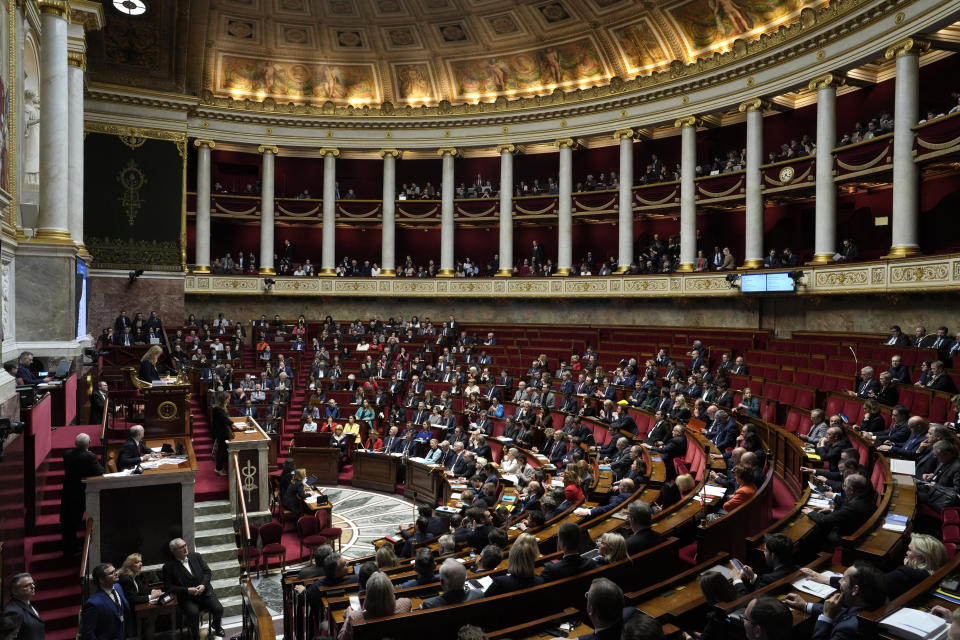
241,518
85,561
257,621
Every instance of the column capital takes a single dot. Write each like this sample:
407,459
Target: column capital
268,148
329,151
393,153
754,104
506,148
76,59
907,46
565,143
447,151
204,142
59,8
620,134
87,13
827,81
688,121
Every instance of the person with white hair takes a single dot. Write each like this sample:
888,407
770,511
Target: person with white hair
187,576
868,386
133,451
453,577
78,463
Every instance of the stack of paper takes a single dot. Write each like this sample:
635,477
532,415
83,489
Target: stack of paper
914,624
819,503
714,490
814,588
906,467
895,522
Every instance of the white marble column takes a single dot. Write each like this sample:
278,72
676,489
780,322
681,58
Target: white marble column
269,154
201,258
447,187
825,233
625,205
753,225
565,208
53,222
906,174
77,67
688,207
328,257
388,239
506,152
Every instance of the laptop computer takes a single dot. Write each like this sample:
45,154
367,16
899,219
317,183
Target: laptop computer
63,369
312,480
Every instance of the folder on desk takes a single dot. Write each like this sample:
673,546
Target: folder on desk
914,624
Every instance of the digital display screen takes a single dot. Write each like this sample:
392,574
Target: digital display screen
765,282
81,298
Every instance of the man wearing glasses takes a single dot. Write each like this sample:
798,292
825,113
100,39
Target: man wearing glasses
22,590
106,614
187,576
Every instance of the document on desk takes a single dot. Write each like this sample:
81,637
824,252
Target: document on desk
906,467
714,490
249,430
819,503
814,588
481,583
312,499
915,624
119,474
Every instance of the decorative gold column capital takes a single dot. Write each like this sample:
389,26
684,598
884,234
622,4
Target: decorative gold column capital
393,153
447,151
329,151
87,13
205,143
565,143
59,8
621,134
826,81
907,46
268,148
506,148
754,104
688,121
76,59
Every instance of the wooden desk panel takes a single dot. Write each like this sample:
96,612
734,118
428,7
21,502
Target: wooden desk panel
375,471
425,482
321,462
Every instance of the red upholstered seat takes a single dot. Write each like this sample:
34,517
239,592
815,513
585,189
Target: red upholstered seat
307,531
271,544
951,533
253,552
783,500
951,515
688,554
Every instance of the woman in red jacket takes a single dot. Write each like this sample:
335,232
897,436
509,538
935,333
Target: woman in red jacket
745,488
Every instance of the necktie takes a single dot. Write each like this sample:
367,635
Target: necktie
116,601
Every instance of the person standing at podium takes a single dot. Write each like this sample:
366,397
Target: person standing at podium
148,364
222,430
133,451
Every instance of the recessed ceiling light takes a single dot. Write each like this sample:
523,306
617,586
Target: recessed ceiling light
130,7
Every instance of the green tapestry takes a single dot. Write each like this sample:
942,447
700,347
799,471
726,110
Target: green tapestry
133,198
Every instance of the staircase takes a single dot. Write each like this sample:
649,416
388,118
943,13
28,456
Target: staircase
215,541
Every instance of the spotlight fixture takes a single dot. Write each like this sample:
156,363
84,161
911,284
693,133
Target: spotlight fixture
796,276
732,280
269,282
133,275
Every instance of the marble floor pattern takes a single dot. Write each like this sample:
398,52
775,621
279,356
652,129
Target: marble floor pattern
364,516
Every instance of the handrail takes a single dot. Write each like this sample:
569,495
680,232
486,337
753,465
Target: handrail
257,621
85,559
242,515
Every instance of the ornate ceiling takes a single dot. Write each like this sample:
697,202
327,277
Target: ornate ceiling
415,52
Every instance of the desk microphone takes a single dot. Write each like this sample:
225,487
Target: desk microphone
137,470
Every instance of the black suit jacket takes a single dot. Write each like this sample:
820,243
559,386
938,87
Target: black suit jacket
643,540
33,627
847,518
764,579
98,404
77,465
948,475
508,583
130,454
570,565
176,580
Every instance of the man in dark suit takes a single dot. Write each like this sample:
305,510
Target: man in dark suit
898,431
675,447
106,614
458,460
453,576
778,555
943,485
392,441
122,322
572,563
833,445
605,609
868,385
626,489
187,576
727,431
100,403
22,590
78,463
660,429
941,342
643,536
482,526
861,588
896,338
853,512
766,618
133,451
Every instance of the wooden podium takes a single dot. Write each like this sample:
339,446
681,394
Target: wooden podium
376,471
165,404
142,513
424,481
252,446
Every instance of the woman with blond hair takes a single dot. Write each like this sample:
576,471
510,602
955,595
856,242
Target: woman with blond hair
379,602
612,547
148,364
520,567
385,557
136,591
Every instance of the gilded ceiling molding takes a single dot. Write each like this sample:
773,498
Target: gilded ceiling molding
395,153
204,142
688,121
506,148
907,46
268,148
754,104
565,143
827,80
59,8
134,132
447,151
620,134
329,151
86,13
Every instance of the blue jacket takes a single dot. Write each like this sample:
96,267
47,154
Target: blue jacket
100,619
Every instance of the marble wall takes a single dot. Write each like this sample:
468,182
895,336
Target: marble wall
111,291
46,297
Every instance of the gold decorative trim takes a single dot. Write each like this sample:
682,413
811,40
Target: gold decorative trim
329,151
907,46
866,165
53,236
822,258
620,134
393,153
506,148
827,80
721,194
204,142
685,267
903,251
447,151
266,271
622,269
504,273
326,273
268,148
565,143
201,268
388,273
76,59
59,8
445,273
87,13
562,272
688,121
753,263
754,104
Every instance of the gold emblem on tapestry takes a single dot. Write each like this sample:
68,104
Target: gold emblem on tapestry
132,179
